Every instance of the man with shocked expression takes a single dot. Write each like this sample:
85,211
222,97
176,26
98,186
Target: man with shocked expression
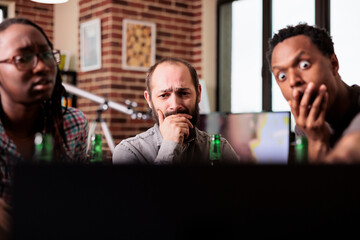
173,93
326,109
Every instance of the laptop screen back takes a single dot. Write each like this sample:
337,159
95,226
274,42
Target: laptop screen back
263,137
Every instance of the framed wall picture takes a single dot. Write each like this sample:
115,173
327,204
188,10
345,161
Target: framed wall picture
90,45
138,45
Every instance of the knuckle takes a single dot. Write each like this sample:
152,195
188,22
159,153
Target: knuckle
300,123
303,105
310,125
315,107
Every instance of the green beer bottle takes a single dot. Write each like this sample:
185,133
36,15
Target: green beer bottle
43,147
301,150
96,148
215,149
96,145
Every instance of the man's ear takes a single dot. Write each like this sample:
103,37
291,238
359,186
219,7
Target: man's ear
147,98
334,64
199,89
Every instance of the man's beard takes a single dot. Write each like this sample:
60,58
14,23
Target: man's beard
194,120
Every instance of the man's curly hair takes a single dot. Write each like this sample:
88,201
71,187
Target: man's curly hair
318,36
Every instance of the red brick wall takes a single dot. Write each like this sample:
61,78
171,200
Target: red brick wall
41,14
178,34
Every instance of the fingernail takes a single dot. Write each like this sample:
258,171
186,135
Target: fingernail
309,87
322,88
294,93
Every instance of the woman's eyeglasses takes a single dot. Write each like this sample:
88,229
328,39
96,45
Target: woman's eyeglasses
28,61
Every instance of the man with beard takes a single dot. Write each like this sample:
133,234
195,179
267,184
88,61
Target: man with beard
325,108
173,93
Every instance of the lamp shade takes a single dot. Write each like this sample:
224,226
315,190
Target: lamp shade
50,1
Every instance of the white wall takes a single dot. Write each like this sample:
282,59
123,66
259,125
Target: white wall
209,49
66,24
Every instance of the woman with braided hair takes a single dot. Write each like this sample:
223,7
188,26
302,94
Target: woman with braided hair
30,102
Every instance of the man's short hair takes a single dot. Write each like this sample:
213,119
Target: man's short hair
318,36
172,60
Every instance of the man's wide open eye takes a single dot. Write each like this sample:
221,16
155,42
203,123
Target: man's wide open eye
304,64
282,76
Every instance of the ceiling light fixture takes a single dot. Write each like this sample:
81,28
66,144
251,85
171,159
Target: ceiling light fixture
50,1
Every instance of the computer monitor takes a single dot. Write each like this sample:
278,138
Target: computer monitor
262,137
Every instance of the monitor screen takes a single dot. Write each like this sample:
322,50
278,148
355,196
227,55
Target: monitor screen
261,137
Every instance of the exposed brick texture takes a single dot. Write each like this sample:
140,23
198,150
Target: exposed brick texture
178,34
41,14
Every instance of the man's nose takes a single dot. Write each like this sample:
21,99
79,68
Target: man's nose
174,103
295,78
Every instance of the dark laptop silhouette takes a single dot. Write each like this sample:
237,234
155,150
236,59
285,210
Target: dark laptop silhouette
173,202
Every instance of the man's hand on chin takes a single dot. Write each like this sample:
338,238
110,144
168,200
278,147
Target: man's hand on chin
175,127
